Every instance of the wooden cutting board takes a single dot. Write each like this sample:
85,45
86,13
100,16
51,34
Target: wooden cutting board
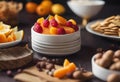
15,57
33,75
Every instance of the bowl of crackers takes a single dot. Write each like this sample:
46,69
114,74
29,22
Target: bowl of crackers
109,27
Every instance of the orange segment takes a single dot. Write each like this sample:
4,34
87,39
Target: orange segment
10,38
60,73
69,30
40,20
46,31
66,63
53,30
13,36
50,17
60,19
3,38
73,21
71,67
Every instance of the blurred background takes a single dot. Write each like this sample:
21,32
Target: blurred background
110,8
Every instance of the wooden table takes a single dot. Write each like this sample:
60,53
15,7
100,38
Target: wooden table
90,42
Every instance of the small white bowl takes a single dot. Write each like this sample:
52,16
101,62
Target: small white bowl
86,8
56,52
55,38
100,72
56,46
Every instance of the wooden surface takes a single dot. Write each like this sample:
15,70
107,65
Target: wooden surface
90,42
32,74
15,57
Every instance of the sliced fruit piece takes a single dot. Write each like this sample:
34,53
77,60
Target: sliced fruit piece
46,31
71,67
50,17
73,21
6,31
3,38
61,20
19,35
53,30
40,20
13,35
60,73
66,63
4,26
15,29
69,30
10,38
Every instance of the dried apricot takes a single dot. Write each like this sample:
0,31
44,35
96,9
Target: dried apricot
60,73
66,63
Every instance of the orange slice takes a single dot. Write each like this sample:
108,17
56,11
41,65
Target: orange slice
69,30
66,63
3,38
61,20
40,20
73,21
10,38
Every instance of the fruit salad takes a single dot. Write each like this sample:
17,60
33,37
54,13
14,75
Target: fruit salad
8,34
55,25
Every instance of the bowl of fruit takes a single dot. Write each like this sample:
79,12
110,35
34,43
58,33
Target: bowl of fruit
106,65
55,35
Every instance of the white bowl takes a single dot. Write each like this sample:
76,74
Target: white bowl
56,46
55,38
100,72
56,52
85,8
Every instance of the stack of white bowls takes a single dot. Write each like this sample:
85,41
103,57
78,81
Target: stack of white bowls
55,45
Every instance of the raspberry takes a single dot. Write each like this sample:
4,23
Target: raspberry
69,24
45,23
37,28
53,23
76,28
61,31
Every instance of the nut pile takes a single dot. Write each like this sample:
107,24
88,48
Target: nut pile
109,26
109,60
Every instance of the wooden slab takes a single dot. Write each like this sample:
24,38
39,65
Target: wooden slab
15,57
33,75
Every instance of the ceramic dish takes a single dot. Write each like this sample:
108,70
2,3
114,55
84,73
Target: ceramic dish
55,46
55,38
58,52
9,44
88,28
100,72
